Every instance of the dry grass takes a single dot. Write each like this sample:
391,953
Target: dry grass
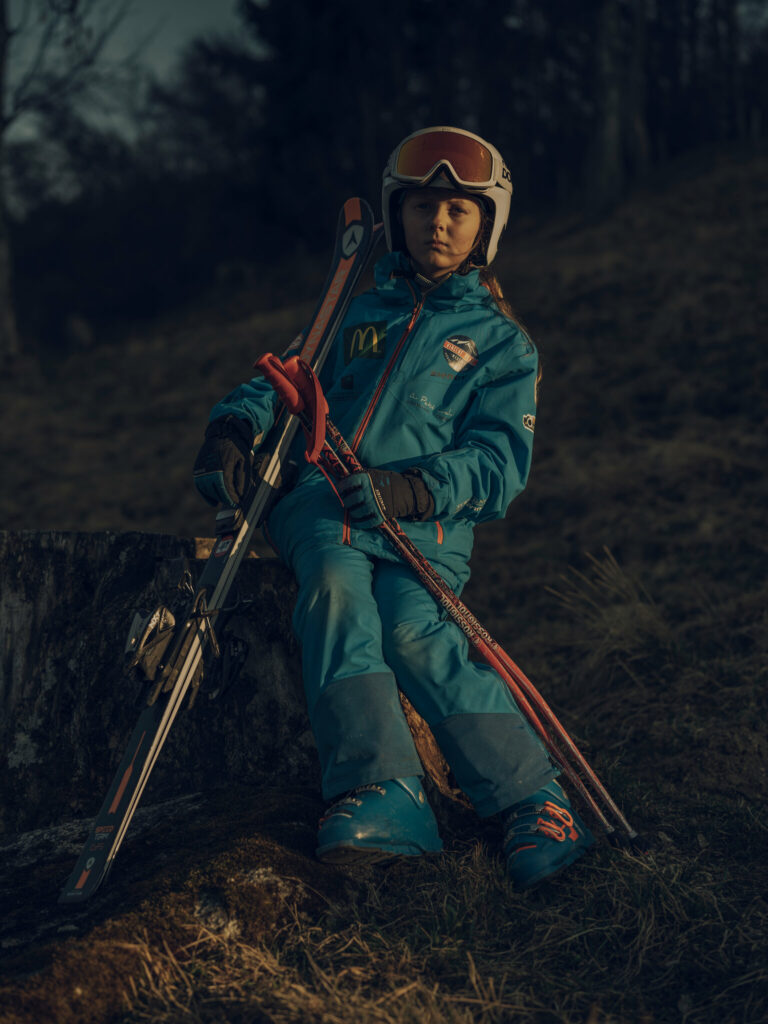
676,935
663,938
615,614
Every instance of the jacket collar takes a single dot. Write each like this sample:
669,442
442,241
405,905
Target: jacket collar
395,278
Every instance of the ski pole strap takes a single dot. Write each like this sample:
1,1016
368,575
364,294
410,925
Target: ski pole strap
300,391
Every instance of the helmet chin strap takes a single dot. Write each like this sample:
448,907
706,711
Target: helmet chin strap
424,283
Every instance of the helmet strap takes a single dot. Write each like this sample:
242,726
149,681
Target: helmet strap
423,283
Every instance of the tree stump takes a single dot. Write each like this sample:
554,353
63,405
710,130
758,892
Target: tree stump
66,603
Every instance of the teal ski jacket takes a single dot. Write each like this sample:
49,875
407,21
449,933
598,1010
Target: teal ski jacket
441,382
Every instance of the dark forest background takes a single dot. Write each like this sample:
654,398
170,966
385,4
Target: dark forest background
233,166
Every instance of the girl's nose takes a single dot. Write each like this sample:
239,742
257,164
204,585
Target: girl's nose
439,217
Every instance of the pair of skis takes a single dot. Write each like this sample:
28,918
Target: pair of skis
169,654
299,389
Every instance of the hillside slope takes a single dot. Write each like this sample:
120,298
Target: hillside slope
628,581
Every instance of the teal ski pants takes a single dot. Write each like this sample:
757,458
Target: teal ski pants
366,625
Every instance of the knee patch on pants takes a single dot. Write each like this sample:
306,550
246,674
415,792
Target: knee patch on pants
496,759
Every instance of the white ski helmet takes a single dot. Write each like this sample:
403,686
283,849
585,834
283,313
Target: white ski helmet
453,158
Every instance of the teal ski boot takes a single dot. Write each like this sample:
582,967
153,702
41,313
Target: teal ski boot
542,835
378,822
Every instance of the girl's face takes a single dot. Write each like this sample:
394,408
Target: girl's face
440,229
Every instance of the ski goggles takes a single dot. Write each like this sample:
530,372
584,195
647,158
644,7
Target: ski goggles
471,162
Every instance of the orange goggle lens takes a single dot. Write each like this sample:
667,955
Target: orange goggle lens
470,160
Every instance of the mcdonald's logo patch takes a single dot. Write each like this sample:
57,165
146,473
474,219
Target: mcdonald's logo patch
460,352
365,341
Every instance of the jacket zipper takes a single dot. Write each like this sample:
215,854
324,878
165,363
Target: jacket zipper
380,386
346,535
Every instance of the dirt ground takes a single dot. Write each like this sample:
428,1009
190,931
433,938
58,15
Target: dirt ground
628,581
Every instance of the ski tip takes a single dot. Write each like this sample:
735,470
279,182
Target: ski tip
83,882
70,895
67,897
353,210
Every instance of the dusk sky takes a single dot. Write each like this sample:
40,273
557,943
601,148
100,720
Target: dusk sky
167,25
160,29
173,23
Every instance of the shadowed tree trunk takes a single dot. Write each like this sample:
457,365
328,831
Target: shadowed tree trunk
720,90
637,123
736,117
608,178
9,342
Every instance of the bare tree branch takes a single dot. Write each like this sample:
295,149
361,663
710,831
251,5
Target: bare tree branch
18,99
67,42
43,83
23,21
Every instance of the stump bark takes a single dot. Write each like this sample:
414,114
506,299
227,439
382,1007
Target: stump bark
66,602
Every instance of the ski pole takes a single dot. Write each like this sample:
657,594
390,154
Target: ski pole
289,380
521,687
299,389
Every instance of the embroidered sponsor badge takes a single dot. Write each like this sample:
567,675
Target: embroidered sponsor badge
460,352
365,341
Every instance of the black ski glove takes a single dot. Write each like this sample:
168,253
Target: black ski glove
378,494
222,471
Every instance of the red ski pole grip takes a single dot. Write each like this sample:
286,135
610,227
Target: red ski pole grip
311,394
275,373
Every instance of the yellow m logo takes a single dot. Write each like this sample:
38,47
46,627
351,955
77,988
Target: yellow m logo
366,341
364,338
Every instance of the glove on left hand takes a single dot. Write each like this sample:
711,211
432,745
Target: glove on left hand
379,494
222,471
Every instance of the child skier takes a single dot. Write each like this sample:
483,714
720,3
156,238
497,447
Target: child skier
434,386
